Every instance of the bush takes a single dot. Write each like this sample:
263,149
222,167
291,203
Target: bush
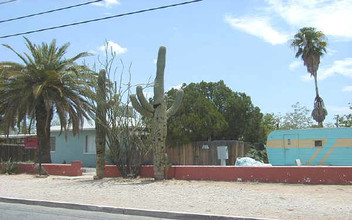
258,153
8,167
42,171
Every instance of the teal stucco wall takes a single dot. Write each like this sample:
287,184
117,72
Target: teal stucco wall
72,148
335,148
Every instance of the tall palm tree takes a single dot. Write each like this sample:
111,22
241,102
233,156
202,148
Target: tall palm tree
46,84
310,45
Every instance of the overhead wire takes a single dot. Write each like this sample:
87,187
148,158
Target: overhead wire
100,19
5,2
50,11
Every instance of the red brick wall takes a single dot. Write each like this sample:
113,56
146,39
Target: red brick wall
274,174
285,174
73,169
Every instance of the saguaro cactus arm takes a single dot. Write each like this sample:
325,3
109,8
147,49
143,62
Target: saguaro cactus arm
159,79
177,103
136,105
143,101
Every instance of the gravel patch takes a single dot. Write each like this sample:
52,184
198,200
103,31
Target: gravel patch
265,200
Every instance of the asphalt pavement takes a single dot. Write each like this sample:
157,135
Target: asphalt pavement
26,209
11,211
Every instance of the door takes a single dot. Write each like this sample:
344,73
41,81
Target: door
291,149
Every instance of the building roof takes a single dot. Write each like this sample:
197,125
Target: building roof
90,125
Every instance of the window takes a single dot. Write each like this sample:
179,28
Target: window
53,144
318,143
89,147
288,141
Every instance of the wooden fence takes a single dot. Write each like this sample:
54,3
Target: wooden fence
203,153
13,148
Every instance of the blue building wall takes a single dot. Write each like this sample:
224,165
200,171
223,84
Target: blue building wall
73,148
285,146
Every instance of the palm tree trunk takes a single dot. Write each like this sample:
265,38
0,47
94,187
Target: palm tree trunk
43,119
316,85
320,123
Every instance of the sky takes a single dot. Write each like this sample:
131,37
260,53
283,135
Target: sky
245,43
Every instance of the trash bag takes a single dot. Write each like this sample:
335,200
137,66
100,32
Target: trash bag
247,161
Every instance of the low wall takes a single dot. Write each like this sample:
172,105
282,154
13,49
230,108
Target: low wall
274,174
285,174
73,169
147,171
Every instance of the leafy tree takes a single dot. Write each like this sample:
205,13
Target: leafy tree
310,45
297,119
213,111
344,120
46,84
197,118
242,116
269,123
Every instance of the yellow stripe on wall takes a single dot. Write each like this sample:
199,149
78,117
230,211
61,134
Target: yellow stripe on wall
303,143
314,155
311,143
343,142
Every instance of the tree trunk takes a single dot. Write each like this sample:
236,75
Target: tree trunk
320,124
316,85
319,111
43,119
159,132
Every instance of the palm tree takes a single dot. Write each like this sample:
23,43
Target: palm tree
46,84
310,45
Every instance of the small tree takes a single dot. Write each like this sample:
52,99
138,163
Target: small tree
116,121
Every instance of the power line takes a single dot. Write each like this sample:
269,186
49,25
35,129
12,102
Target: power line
100,19
50,11
7,1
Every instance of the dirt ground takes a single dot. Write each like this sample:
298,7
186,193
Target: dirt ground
265,200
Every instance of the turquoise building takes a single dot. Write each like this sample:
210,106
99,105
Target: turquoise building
318,146
80,147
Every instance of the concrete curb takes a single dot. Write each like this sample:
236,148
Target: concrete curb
125,211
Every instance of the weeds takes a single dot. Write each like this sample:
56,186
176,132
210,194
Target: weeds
8,167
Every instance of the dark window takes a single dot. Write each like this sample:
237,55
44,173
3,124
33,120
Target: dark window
288,141
318,143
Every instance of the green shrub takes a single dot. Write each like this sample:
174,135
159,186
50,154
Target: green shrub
258,153
8,167
42,171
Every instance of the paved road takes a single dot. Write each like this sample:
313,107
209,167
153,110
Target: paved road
10,211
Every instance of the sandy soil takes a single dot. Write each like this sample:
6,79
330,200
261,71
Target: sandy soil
278,201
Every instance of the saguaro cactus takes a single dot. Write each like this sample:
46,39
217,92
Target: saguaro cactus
159,113
100,123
